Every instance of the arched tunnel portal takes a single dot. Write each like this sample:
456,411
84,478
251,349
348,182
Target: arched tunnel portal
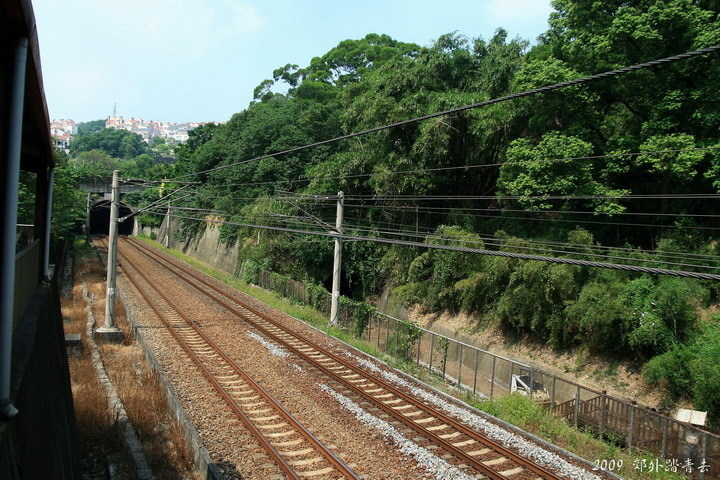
100,219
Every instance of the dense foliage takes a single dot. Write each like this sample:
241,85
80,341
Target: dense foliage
94,154
114,142
579,169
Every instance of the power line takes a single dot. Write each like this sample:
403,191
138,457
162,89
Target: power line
500,210
548,88
557,220
405,229
542,246
503,244
460,167
491,241
521,256
447,198
423,198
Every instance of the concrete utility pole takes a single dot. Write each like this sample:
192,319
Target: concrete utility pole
169,220
110,329
337,264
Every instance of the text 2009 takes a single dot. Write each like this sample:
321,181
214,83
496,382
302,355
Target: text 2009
608,465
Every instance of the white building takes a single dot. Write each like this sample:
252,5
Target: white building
177,132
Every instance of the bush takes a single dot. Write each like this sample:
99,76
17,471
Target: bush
360,313
705,371
677,300
598,318
671,370
249,271
691,371
535,299
400,344
411,293
651,336
317,296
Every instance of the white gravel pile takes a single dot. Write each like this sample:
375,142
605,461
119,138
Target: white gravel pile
435,466
509,439
272,348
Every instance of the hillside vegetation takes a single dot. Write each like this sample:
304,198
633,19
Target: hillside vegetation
607,171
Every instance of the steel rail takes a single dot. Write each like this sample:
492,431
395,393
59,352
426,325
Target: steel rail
420,428
335,462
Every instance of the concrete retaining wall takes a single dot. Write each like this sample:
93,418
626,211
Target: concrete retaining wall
205,246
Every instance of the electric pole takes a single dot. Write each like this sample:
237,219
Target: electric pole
337,264
110,328
169,221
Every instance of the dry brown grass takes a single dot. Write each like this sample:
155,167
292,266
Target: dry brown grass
98,432
141,393
73,309
136,383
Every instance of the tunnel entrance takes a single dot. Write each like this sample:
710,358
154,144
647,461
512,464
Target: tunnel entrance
100,219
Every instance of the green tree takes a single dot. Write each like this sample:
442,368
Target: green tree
557,166
138,167
116,143
93,165
68,211
674,159
345,63
86,128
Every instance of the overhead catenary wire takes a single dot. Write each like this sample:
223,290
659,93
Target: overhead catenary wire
459,167
552,247
446,210
501,212
429,198
404,228
522,256
162,200
577,222
500,243
535,91
424,198
555,247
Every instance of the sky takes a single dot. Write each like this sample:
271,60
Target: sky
200,60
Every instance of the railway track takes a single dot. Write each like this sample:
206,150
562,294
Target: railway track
292,448
469,450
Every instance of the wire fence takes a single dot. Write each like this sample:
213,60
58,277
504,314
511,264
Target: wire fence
678,446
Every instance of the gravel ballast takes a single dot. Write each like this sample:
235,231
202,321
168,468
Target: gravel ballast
370,445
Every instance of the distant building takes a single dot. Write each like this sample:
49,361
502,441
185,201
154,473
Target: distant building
63,126
175,132
63,141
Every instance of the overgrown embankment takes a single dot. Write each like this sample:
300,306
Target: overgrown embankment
101,436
